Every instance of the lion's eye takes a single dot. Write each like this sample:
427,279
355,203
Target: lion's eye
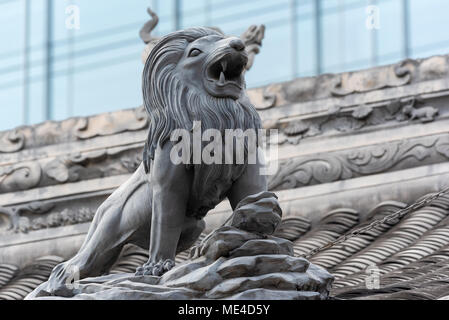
194,52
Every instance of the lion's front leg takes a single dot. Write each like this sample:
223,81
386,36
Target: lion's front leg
171,188
252,182
166,227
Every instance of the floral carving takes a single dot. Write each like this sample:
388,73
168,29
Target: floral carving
38,215
12,141
68,168
340,166
362,112
20,176
17,222
111,123
338,119
442,147
373,79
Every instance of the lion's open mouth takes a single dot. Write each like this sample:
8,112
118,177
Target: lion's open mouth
225,75
227,70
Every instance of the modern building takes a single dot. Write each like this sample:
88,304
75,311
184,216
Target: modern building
67,58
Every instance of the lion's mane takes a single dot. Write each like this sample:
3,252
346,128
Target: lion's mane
171,104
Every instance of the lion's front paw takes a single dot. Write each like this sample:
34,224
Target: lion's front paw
60,283
155,268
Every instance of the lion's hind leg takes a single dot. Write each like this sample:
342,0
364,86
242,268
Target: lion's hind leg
116,222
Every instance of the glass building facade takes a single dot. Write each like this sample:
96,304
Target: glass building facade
50,69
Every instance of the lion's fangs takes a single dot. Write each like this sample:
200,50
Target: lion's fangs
222,79
224,64
227,70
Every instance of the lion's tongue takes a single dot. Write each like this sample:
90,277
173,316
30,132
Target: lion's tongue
222,79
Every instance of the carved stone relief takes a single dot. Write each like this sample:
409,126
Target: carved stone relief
267,97
11,141
15,221
341,85
353,119
73,129
343,165
301,89
293,173
20,176
111,123
373,79
434,67
70,168
49,214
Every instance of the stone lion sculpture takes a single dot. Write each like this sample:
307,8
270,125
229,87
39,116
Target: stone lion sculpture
190,75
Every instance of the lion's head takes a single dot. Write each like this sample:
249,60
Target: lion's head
195,74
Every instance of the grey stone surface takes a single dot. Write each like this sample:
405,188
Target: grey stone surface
252,266
255,213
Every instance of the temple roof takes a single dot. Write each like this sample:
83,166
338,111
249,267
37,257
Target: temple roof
411,254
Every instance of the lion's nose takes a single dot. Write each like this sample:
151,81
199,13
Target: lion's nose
237,44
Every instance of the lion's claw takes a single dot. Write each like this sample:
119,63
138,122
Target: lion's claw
155,269
168,265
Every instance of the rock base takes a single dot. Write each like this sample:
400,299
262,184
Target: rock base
229,264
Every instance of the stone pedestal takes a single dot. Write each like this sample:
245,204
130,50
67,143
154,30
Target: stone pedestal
229,264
